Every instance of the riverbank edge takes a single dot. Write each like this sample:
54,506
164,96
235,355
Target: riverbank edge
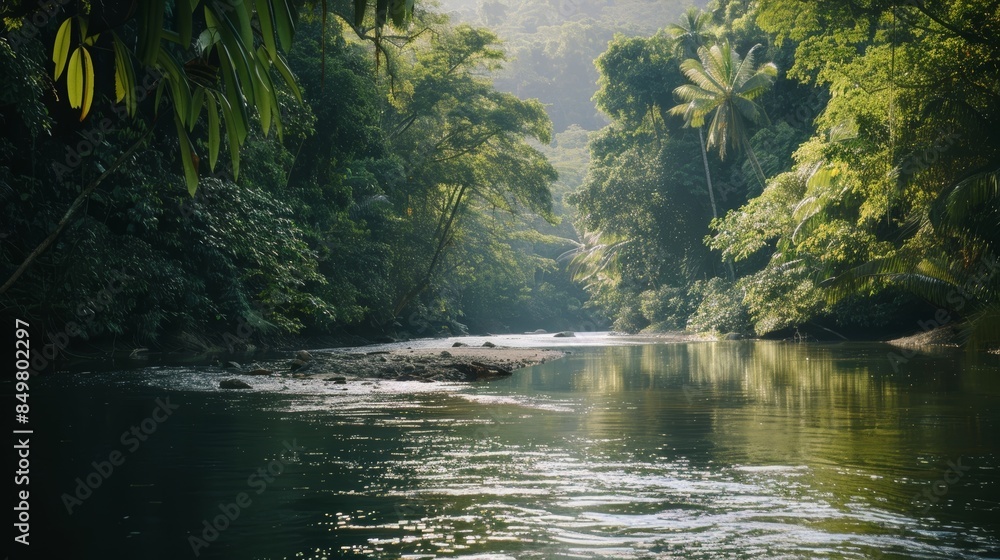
99,357
456,364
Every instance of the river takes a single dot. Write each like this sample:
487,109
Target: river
737,449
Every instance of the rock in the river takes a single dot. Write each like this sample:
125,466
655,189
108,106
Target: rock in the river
489,344
459,345
303,355
476,371
233,384
260,372
564,334
339,380
234,365
297,365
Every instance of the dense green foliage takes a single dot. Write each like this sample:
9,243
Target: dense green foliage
760,166
877,151
405,200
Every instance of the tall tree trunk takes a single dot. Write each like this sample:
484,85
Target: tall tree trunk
708,176
711,194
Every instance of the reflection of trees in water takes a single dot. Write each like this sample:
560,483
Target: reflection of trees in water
778,403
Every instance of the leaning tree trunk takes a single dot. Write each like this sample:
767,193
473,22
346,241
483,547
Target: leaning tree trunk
445,230
70,212
711,194
757,169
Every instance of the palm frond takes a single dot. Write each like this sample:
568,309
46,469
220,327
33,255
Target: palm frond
961,209
758,83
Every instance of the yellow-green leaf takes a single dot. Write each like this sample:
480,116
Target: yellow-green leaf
88,85
74,79
264,95
232,134
267,26
286,74
243,17
234,49
60,50
213,130
119,86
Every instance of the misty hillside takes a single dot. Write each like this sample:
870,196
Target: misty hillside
553,44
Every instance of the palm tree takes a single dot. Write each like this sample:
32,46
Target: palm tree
692,32
724,85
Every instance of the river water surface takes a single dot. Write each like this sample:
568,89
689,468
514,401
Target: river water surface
697,450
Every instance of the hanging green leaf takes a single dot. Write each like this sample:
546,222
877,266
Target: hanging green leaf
266,90
183,20
159,95
88,87
197,101
124,76
286,73
381,13
177,82
150,29
284,22
213,130
263,96
232,92
360,6
60,49
400,11
245,30
236,51
74,79
267,27
232,135
187,157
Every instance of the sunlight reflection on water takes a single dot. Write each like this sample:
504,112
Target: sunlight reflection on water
604,455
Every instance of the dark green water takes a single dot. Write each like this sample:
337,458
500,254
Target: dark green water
711,450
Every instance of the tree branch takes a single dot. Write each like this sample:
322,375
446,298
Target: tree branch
71,211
